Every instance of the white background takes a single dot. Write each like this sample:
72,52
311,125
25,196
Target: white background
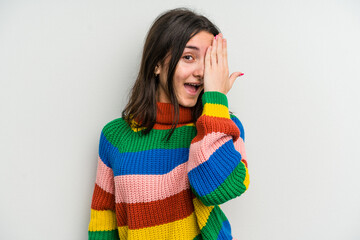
66,68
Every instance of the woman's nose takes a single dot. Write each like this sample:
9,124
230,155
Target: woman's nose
199,71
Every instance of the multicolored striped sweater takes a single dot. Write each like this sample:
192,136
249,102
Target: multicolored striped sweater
147,188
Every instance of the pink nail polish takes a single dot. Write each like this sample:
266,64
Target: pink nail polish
241,74
215,36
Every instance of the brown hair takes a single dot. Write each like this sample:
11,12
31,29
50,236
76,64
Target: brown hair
167,36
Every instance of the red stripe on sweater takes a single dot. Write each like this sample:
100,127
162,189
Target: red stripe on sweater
140,215
245,162
102,200
207,124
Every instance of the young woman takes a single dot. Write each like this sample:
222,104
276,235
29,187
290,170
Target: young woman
152,187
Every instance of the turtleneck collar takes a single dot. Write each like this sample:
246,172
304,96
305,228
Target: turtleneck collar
165,111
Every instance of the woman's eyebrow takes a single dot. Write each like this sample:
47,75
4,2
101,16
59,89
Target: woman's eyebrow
192,47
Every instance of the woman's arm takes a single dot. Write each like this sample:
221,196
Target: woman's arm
217,167
103,219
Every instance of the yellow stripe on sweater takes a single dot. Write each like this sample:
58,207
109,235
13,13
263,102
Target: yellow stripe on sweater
181,229
123,231
247,178
103,220
216,110
202,212
133,126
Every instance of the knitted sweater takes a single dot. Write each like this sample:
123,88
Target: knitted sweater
147,188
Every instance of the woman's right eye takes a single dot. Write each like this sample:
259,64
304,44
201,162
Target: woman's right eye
187,57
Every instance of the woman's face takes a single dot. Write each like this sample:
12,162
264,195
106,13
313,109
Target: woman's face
189,69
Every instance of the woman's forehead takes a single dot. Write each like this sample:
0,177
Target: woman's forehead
200,41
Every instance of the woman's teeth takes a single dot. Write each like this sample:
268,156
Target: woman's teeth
192,88
193,85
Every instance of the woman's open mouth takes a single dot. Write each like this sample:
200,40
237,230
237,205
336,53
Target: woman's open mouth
192,89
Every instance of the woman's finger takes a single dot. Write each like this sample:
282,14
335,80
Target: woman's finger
233,77
219,51
225,53
213,52
207,58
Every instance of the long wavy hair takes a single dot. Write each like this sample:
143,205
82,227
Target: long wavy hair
167,36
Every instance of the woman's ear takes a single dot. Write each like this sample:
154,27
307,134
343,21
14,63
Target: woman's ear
157,69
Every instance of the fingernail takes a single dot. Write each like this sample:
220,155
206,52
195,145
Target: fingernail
215,36
241,74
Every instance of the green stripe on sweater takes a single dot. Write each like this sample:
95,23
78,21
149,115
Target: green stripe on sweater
214,97
104,235
198,237
232,187
120,135
214,223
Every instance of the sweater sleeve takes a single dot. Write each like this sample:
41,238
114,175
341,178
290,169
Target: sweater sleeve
217,168
103,223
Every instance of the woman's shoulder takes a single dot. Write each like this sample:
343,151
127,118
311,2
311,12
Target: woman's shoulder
114,126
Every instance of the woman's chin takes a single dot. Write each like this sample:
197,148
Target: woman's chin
188,102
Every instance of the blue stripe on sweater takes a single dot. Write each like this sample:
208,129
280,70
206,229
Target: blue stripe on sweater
154,161
240,126
225,231
209,175
104,147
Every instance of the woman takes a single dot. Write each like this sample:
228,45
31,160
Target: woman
149,187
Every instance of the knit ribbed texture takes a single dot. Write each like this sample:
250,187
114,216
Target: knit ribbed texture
147,188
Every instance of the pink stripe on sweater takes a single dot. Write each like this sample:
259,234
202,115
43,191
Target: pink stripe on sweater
240,147
201,151
105,177
148,188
